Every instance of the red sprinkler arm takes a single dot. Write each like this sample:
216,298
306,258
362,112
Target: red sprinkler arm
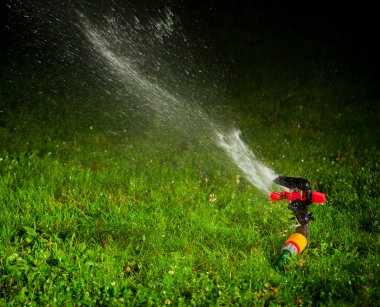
316,197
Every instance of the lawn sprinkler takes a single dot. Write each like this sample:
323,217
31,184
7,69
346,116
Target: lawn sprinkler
299,198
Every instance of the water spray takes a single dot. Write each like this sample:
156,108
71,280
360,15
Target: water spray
125,58
299,198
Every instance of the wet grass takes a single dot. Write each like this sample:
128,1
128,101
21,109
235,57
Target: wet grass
99,208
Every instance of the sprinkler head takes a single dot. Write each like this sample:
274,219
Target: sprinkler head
300,190
299,198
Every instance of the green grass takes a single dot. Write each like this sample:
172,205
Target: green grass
98,210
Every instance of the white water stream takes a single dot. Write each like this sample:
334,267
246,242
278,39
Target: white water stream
138,57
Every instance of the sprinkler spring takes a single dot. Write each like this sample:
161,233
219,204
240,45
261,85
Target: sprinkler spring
299,198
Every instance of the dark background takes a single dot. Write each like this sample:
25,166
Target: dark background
233,29
353,23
